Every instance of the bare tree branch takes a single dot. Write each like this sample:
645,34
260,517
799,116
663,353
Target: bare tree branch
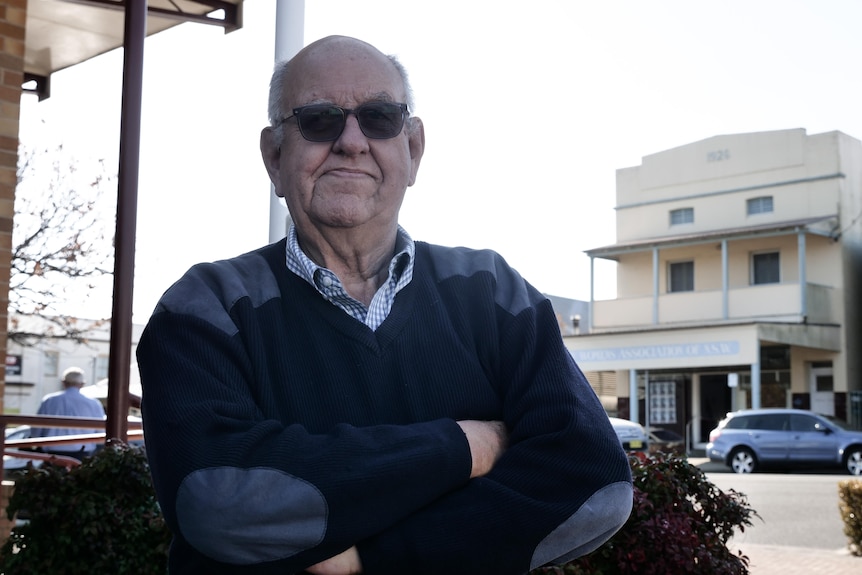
62,240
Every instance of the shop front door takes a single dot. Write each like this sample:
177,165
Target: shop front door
822,391
715,401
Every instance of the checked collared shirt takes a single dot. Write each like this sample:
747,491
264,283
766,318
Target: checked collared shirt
330,287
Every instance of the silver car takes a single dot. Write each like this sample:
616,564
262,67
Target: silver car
632,435
750,439
11,464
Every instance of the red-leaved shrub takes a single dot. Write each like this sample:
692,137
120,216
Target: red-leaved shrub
680,523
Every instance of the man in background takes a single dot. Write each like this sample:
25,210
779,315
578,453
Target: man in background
69,402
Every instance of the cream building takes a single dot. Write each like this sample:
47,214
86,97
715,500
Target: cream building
739,268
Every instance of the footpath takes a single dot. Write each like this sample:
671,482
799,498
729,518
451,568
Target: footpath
785,560
781,560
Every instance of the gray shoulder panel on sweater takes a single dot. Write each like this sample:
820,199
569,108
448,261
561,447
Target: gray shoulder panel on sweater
511,292
208,291
595,522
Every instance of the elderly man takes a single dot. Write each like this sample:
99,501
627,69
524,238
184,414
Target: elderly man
69,402
348,400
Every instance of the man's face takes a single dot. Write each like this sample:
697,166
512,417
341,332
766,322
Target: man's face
355,180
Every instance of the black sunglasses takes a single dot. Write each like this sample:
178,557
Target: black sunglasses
325,122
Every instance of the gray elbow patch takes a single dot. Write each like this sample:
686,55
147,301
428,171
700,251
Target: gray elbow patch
246,516
595,522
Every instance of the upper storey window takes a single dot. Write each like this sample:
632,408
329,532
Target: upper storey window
51,366
762,205
682,216
680,276
765,268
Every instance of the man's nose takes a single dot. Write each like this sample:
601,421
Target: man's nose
351,140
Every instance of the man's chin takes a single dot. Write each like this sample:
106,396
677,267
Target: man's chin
347,213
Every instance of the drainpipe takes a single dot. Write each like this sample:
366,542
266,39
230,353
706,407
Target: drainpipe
803,280
655,283
755,381
725,282
592,295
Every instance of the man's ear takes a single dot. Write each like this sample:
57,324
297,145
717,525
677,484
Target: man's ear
270,151
416,141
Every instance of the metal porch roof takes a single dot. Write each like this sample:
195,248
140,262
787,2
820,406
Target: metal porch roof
821,225
63,33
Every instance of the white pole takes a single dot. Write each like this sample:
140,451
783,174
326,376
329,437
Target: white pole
289,39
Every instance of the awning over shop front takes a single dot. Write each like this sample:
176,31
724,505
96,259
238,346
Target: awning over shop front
712,346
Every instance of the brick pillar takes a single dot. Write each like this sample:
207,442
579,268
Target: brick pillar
13,20
6,524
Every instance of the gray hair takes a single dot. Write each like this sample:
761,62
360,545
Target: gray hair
279,78
74,376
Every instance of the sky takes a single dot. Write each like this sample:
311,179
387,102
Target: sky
529,109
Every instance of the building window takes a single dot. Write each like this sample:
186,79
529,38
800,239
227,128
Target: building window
824,383
762,205
765,268
51,365
101,367
682,216
681,276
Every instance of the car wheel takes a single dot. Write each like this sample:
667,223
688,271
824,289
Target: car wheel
742,460
853,461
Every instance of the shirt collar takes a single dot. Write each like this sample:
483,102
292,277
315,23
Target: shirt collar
400,266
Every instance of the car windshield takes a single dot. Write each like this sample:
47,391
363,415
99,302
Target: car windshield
18,433
839,423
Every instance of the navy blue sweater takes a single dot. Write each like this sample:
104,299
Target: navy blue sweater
281,431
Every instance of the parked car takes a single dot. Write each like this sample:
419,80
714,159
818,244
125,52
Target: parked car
632,435
11,464
666,441
750,439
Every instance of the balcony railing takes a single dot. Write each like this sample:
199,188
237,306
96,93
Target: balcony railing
773,302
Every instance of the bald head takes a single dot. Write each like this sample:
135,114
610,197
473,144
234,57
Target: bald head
339,46
297,76
344,183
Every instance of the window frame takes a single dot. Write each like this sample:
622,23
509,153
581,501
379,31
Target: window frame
50,363
100,367
760,204
670,276
689,212
753,275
